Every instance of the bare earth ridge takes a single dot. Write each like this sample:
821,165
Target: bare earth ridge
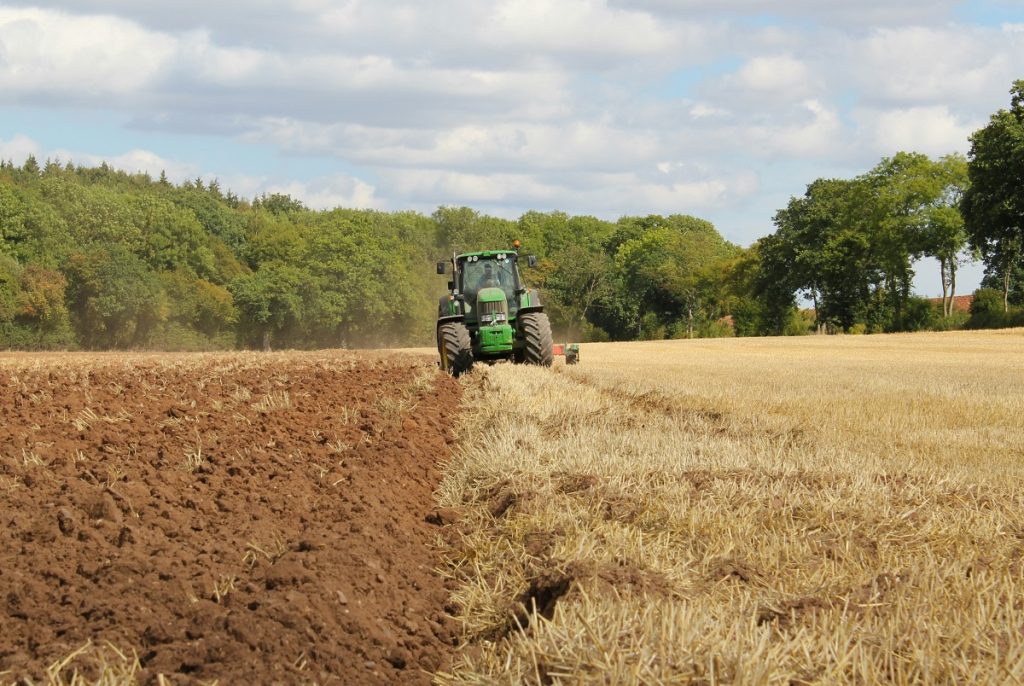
248,518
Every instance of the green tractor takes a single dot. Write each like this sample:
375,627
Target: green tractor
489,314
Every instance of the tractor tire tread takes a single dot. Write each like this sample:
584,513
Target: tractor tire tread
537,334
454,346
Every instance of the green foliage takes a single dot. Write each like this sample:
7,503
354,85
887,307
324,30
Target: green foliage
270,304
849,245
461,229
987,311
665,267
953,322
176,337
197,304
799,323
581,279
33,315
114,299
822,251
367,293
10,280
278,204
920,314
217,215
97,258
1009,281
993,206
986,301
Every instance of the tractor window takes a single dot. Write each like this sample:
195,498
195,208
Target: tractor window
489,272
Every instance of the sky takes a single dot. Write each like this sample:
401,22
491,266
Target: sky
723,109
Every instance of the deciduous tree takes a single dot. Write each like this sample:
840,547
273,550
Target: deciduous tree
993,205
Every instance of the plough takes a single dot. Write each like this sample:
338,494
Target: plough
571,351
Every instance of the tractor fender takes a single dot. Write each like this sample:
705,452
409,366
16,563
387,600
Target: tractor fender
446,307
529,301
532,308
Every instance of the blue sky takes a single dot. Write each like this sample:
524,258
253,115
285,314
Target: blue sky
719,108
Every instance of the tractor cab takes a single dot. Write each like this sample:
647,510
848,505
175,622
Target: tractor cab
489,314
479,272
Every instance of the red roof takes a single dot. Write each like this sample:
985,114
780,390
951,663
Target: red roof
961,303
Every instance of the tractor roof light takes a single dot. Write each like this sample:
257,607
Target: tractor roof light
516,244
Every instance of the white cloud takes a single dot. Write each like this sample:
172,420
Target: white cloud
807,129
609,194
522,146
702,110
689,197
819,136
599,106
860,13
930,66
18,148
934,131
774,75
49,52
591,26
328,192
442,187
134,161
47,55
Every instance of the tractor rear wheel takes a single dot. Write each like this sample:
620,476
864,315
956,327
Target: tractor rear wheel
455,348
536,332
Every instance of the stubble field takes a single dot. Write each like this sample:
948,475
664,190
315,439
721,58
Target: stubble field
772,511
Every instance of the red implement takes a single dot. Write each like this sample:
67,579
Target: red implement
571,351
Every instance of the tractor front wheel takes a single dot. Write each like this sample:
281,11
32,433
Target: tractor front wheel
455,348
536,333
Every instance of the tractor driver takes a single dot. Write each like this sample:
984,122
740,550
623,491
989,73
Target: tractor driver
489,278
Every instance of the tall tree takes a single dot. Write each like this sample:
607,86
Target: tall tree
945,235
901,191
115,300
993,206
270,303
581,279
664,268
822,251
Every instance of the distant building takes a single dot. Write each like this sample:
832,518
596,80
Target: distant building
961,303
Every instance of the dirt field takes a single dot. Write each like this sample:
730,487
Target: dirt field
247,518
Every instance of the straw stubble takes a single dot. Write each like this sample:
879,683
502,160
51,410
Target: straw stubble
812,510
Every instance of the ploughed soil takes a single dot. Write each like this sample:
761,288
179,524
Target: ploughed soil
249,518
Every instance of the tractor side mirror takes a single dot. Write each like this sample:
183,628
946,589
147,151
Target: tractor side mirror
442,267
451,285
531,260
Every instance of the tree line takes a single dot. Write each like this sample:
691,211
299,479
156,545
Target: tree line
97,258
849,245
